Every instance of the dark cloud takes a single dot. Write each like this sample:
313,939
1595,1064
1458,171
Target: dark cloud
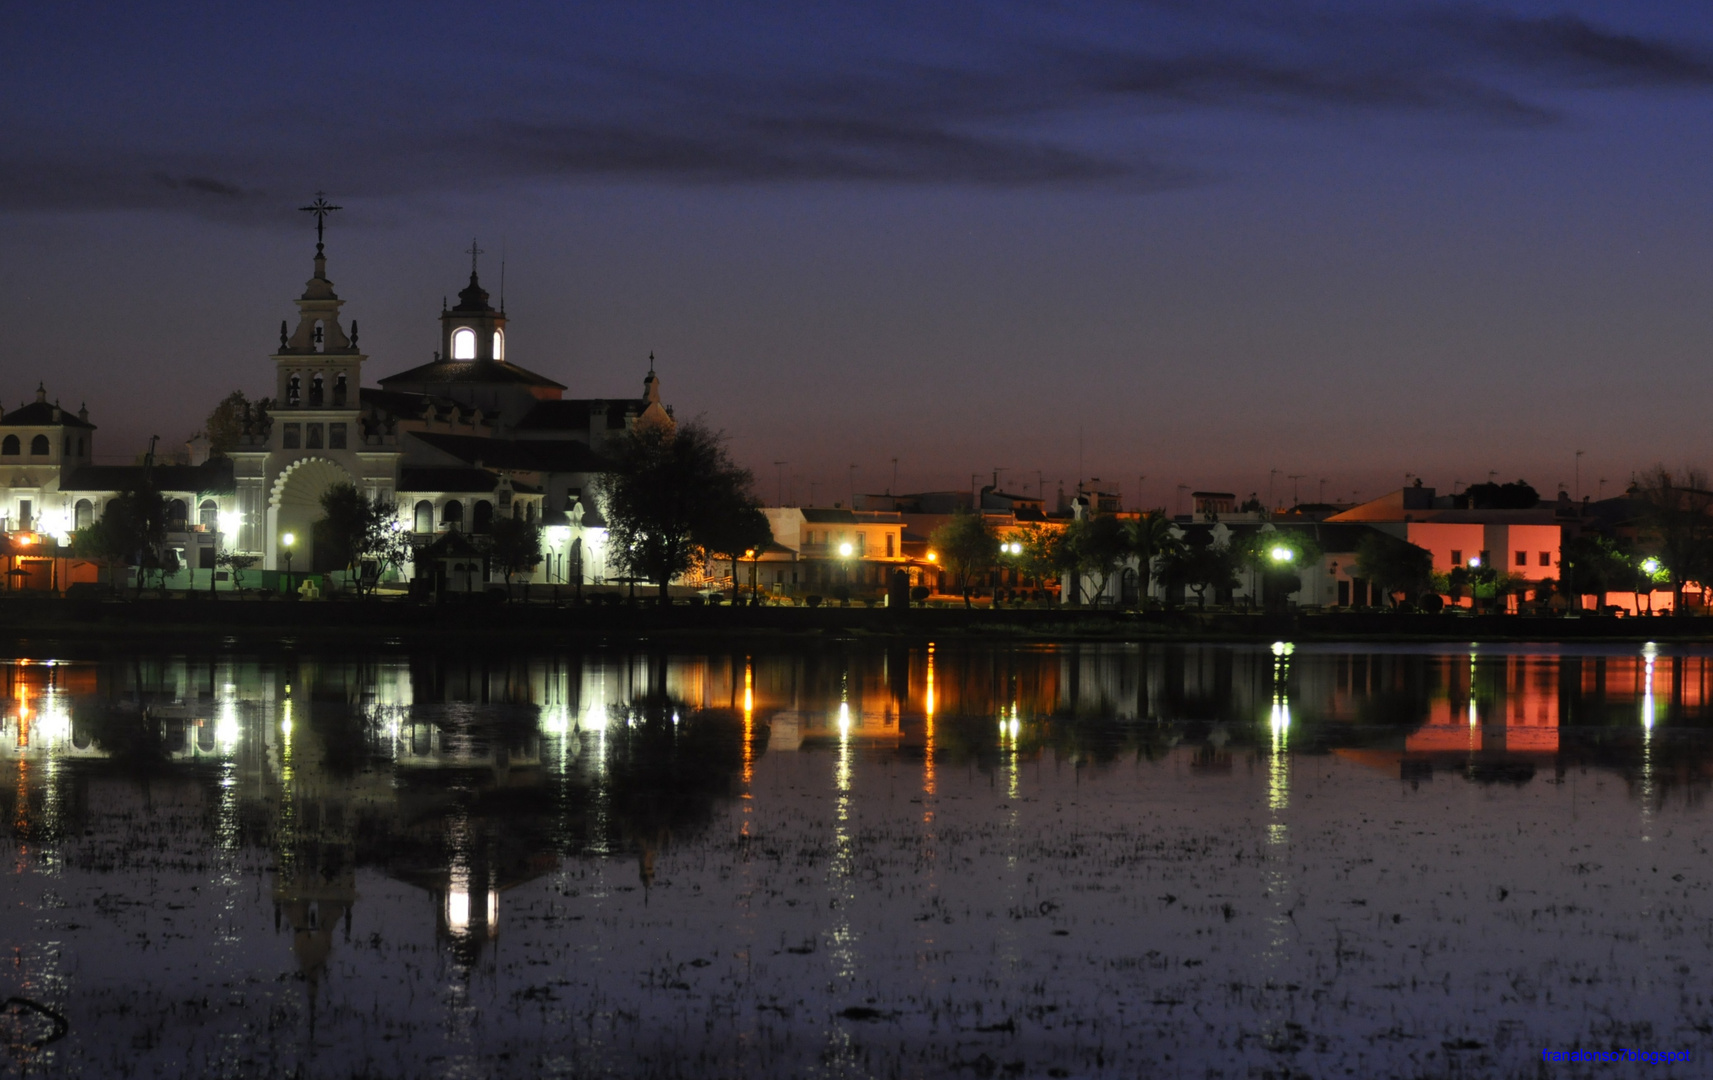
203,184
1577,48
1012,111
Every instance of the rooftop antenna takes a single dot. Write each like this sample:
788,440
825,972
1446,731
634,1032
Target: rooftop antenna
320,208
779,477
894,476
502,275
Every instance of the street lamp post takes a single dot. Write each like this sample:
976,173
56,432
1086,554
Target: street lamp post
845,550
1281,557
288,540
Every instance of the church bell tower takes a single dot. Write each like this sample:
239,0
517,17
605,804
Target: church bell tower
473,332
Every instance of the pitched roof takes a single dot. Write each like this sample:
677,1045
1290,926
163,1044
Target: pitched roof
213,477
464,372
41,414
463,481
556,455
579,414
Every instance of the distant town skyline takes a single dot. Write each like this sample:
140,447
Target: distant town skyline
1219,245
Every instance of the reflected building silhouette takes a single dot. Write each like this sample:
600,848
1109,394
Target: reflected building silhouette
467,776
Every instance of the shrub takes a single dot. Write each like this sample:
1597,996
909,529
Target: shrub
812,601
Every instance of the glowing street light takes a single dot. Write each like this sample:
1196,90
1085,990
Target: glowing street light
288,539
845,550
1650,566
1282,554
1474,562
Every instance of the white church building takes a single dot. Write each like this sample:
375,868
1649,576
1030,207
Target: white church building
456,442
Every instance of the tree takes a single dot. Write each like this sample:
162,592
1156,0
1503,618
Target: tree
131,531
1396,566
104,542
743,532
360,530
666,493
225,424
515,546
236,563
1490,496
1094,548
1595,566
1151,537
1043,552
1278,557
1677,518
967,546
1198,564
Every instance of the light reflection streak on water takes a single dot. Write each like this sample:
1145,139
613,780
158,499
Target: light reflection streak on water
748,734
596,721
840,871
1275,958
1012,952
1474,717
1650,653
287,831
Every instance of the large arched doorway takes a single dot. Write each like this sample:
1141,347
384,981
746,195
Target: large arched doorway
297,505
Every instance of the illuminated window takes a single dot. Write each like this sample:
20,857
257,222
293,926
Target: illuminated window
464,344
208,515
499,344
424,516
83,515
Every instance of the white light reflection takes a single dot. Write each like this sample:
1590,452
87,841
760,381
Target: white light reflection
1650,653
458,907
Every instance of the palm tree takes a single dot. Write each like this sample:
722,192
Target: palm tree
1150,537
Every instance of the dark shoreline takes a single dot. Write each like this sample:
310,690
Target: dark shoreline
393,624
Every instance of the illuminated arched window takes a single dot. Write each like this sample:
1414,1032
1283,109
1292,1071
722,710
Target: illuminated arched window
499,344
463,343
83,515
208,515
424,516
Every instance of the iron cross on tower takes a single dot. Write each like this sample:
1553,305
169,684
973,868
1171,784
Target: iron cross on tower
473,252
320,208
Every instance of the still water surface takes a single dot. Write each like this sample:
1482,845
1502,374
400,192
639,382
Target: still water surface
851,860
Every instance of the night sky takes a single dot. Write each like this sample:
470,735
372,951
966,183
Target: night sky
1201,241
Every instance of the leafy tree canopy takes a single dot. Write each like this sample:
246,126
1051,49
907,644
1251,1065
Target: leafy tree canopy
1396,566
967,546
1491,496
362,529
668,492
226,423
